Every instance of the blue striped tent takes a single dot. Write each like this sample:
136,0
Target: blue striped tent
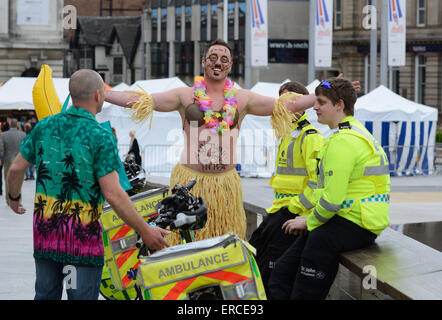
405,129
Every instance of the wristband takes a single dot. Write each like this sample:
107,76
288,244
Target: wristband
14,199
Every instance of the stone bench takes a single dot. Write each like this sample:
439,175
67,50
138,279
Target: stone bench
400,267
395,267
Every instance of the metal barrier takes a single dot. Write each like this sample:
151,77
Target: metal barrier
259,160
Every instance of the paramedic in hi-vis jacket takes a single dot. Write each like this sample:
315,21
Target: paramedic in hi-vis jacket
350,204
295,166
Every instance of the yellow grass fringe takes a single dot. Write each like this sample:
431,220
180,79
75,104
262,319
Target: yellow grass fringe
224,198
143,109
282,119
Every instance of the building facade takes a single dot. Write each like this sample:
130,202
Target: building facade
185,27
109,45
31,34
420,79
106,39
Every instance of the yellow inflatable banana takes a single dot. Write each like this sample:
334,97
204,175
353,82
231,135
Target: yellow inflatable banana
46,101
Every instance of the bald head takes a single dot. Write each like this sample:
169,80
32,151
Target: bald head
83,85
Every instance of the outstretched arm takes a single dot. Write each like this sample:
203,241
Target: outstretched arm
260,105
164,101
121,98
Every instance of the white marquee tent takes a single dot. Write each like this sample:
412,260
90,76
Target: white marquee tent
312,86
405,129
16,93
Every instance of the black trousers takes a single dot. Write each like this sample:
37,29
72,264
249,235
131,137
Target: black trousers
307,269
271,242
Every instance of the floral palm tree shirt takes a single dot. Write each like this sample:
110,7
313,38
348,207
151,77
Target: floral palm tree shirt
71,151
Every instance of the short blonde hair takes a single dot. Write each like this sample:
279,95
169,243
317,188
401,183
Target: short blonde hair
83,83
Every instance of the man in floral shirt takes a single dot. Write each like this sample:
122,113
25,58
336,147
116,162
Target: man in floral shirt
77,163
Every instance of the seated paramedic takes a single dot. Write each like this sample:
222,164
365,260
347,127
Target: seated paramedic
350,204
295,169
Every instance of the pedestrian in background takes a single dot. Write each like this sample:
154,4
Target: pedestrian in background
134,148
9,148
30,172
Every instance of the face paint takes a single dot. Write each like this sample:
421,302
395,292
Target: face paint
217,62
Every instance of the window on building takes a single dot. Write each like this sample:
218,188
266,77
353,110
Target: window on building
214,20
118,65
421,13
420,81
242,19
338,14
117,70
154,25
159,59
189,58
238,53
163,24
288,51
188,20
164,59
394,79
203,29
179,58
155,59
86,58
178,14
184,58
231,20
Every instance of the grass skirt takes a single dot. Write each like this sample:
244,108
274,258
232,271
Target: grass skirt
282,119
223,195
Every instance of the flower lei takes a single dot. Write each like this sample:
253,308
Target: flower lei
212,118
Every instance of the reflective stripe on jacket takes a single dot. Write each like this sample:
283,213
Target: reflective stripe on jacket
296,164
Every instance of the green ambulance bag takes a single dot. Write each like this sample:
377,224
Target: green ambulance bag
119,240
217,268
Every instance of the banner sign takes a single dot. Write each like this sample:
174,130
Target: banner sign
324,33
259,39
396,32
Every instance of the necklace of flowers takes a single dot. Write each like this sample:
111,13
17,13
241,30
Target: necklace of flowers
212,118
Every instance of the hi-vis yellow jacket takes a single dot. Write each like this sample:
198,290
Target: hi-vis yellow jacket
295,163
353,179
